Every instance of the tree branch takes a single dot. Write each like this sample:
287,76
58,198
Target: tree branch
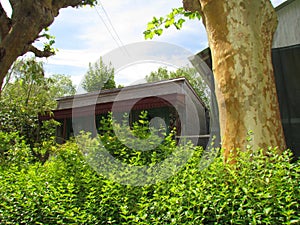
39,53
192,5
41,36
29,18
73,3
65,3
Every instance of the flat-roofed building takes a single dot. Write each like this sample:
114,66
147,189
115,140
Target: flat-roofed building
173,101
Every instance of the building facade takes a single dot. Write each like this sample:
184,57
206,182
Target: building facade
174,103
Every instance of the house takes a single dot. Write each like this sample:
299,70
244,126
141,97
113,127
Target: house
288,28
286,64
286,59
173,101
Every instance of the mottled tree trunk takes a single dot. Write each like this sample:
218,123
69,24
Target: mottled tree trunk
240,38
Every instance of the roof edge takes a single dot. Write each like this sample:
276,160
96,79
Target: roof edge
115,90
284,4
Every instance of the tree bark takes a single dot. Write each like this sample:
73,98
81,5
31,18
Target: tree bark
240,37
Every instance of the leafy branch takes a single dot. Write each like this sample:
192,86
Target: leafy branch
175,18
48,46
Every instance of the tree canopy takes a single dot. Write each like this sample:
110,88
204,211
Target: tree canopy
189,73
62,85
99,76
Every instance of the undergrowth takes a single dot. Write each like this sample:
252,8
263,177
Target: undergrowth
66,189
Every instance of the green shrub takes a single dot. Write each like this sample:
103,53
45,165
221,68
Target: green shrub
13,150
128,144
258,189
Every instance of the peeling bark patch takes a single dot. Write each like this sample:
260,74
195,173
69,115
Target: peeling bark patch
242,6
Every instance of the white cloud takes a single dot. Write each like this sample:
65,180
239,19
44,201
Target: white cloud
135,74
81,36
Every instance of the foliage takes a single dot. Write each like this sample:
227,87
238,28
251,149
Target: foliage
190,74
88,2
22,99
49,41
61,85
25,96
99,77
261,188
174,18
128,143
14,151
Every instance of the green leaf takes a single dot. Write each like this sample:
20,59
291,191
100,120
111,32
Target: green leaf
158,31
150,26
267,210
168,23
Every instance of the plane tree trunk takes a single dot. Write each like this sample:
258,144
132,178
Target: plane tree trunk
240,37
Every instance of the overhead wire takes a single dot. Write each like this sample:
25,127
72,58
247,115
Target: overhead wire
107,28
110,28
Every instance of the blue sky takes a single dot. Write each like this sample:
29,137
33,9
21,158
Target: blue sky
82,37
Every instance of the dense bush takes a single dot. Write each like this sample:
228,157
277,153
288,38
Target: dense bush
14,151
258,189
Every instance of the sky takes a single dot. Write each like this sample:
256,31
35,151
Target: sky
114,30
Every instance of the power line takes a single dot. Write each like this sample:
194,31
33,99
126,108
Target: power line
107,28
109,20
113,34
